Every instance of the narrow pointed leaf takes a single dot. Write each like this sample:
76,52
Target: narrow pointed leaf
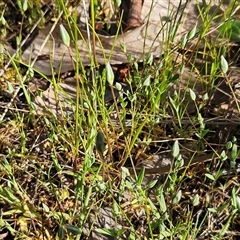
224,64
110,74
64,35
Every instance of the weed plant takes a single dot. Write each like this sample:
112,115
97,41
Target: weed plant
79,176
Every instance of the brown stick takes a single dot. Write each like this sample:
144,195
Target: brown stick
134,16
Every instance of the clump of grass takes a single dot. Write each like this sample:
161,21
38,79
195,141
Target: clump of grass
61,176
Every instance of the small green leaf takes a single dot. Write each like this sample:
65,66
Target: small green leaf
231,30
184,41
210,176
223,155
56,163
85,105
25,5
3,20
179,162
229,145
161,200
100,142
64,35
195,200
72,229
235,200
116,211
110,232
235,36
10,87
192,94
110,74
118,86
175,149
46,208
234,152
123,48
213,210
150,59
205,97
152,183
61,233
222,207
163,205
118,2
125,172
192,33
224,64
140,176
147,81
8,194
177,197
174,78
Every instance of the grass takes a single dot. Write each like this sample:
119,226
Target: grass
81,176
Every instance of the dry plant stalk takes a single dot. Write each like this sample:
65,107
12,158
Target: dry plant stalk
134,16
